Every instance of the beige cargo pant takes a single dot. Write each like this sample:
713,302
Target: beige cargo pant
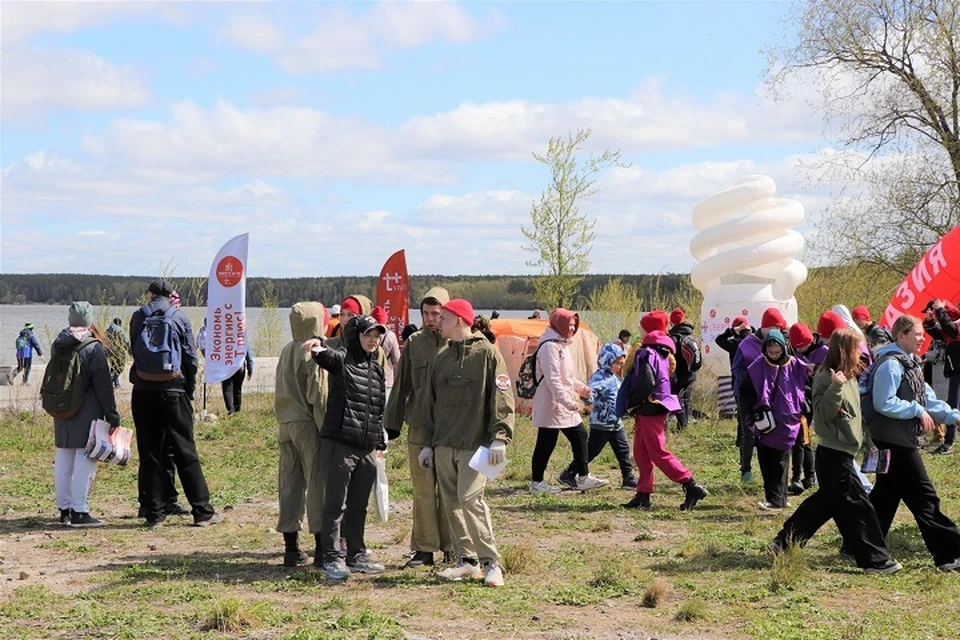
462,490
431,531
300,481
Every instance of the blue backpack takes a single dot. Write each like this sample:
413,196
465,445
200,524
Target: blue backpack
156,351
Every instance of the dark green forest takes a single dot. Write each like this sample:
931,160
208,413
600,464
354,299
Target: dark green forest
485,292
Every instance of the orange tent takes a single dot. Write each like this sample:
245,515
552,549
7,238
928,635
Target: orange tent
517,339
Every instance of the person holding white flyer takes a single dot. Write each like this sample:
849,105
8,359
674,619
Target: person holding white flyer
73,413
471,405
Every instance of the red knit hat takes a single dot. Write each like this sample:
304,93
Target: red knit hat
677,316
773,319
829,322
379,314
739,320
861,313
462,309
656,320
350,304
800,336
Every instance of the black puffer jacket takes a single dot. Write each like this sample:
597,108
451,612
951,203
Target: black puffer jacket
356,393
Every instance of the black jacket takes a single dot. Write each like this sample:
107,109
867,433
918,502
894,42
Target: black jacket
941,327
729,340
682,377
356,391
187,381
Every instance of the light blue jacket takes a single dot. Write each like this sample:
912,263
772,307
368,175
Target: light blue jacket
604,386
886,381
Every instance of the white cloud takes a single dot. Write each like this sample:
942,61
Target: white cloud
342,39
23,20
36,81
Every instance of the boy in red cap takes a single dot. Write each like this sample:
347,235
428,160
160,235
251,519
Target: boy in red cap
876,335
471,401
689,361
749,350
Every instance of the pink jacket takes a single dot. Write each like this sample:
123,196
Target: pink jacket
555,404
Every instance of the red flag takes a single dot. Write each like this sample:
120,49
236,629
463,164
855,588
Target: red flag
393,294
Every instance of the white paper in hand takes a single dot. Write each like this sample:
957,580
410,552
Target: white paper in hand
480,463
381,490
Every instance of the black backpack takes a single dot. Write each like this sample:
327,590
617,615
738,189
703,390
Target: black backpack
527,381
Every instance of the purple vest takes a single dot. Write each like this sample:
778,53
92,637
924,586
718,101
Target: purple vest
782,389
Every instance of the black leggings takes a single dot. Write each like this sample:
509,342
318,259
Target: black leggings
547,441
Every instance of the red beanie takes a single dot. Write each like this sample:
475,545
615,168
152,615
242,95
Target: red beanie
350,304
739,320
379,314
861,313
829,322
677,316
800,336
656,320
462,309
773,319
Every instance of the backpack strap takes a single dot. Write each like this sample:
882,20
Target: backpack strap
536,353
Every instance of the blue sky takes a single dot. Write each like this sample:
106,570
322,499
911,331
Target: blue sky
140,136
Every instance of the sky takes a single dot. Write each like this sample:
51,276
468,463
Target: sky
138,137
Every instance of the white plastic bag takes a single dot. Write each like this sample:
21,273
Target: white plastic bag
104,446
381,490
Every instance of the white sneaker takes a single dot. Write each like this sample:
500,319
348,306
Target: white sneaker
543,487
768,506
493,575
463,571
587,482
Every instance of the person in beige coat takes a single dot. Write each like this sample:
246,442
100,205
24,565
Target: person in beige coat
300,401
409,402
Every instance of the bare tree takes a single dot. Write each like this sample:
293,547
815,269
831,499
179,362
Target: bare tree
888,75
559,234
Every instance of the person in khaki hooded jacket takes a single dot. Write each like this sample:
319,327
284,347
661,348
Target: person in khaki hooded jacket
409,402
300,401
471,405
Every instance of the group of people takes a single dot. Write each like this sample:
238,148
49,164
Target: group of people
343,391
859,388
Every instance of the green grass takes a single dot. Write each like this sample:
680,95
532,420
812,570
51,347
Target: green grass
577,565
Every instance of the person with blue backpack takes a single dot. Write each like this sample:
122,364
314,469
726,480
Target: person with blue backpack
26,344
164,377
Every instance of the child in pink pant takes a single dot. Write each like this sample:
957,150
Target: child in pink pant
646,394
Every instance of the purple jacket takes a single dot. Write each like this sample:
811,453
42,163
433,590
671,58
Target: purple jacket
781,388
815,354
661,370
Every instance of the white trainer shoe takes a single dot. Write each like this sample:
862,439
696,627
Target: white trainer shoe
543,487
589,481
493,575
463,571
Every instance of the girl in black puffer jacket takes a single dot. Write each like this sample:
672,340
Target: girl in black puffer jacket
351,433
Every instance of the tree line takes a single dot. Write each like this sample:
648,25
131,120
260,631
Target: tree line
485,292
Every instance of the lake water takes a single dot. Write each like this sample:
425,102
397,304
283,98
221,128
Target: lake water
49,320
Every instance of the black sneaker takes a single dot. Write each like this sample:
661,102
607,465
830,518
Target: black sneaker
795,488
639,501
568,479
420,559
693,493
81,519
176,509
152,523
362,563
629,483
208,521
65,516
888,567
294,557
942,450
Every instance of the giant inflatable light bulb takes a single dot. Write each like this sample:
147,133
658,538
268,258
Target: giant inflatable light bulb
746,259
